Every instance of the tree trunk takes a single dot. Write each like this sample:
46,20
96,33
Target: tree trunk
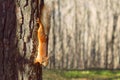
18,40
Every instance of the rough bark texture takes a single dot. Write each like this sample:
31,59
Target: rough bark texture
85,34
18,40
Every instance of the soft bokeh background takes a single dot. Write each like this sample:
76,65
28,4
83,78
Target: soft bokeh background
85,34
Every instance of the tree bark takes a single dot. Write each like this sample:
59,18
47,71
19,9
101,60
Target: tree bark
18,40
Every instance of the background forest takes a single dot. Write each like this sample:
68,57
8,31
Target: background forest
84,34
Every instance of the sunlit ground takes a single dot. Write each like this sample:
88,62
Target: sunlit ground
81,75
